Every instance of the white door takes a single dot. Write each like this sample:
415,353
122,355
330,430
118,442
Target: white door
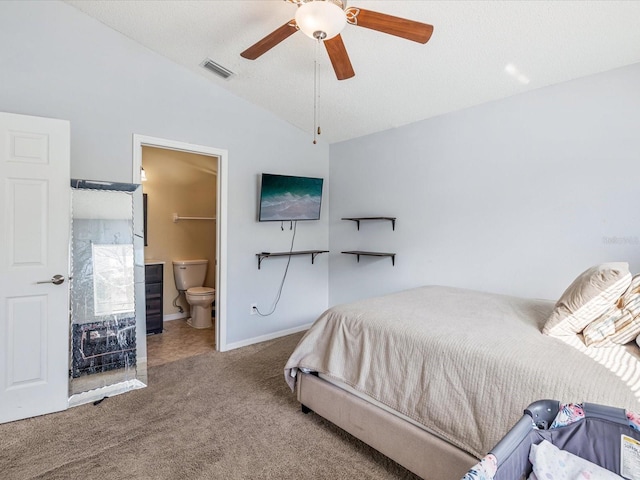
34,247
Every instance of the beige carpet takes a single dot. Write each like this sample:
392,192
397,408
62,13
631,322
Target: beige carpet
213,416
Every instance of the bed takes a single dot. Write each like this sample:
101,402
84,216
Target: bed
434,376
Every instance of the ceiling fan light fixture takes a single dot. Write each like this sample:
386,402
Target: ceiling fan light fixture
321,19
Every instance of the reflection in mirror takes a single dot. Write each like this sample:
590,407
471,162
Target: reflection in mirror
112,279
103,292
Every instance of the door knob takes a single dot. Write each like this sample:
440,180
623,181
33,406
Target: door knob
56,280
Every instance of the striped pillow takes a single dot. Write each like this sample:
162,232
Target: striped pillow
620,324
587,298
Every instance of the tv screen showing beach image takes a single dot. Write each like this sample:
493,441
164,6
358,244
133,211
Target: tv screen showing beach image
284,197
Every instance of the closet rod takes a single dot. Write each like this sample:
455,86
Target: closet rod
177,217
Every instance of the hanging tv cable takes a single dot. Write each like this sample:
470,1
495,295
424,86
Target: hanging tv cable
294,226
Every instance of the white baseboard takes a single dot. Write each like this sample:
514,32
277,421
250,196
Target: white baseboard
174,316
270,336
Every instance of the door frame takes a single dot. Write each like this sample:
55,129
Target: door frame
222,155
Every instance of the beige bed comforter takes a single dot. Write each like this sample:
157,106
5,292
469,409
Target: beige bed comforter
462,363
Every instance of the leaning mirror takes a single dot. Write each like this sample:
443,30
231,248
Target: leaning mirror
106,280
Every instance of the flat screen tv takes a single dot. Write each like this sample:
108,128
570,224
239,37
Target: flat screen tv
287,198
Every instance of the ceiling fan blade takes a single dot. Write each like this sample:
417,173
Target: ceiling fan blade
339,58
400,27
270,41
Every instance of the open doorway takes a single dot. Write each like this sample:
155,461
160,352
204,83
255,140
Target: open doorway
213,161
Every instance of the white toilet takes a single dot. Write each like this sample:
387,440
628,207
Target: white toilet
189,276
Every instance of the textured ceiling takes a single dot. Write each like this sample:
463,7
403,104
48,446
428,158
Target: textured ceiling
397,81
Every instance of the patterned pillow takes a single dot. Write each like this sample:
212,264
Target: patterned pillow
589,296
620,324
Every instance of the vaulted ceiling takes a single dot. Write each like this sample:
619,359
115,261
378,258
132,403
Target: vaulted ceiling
480,51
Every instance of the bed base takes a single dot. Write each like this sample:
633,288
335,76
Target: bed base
417,450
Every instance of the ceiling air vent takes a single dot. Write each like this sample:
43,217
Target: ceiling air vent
216,68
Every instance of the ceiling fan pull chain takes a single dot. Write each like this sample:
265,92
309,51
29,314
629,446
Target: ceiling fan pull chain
316,95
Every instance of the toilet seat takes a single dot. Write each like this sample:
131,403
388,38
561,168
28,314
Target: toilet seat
201,291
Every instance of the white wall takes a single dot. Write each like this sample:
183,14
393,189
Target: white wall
57,62
516,196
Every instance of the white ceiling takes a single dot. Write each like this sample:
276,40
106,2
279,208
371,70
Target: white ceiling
397,81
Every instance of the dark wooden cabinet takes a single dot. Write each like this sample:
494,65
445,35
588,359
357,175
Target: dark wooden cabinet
153,297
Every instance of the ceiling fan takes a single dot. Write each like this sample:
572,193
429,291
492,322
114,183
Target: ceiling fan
323,20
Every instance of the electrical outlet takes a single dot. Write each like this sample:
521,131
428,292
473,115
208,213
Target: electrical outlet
254,309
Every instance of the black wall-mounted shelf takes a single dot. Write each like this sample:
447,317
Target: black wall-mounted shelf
360,219
358,253
314,253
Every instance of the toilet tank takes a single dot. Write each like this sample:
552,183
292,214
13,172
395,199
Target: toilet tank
189,273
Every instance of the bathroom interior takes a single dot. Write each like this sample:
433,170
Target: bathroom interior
179,190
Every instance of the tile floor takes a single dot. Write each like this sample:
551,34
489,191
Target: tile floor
177,341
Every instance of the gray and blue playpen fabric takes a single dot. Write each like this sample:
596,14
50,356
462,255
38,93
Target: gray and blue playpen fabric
554,441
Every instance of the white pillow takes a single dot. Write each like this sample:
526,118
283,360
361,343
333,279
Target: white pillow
588,297
620,324
551,463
